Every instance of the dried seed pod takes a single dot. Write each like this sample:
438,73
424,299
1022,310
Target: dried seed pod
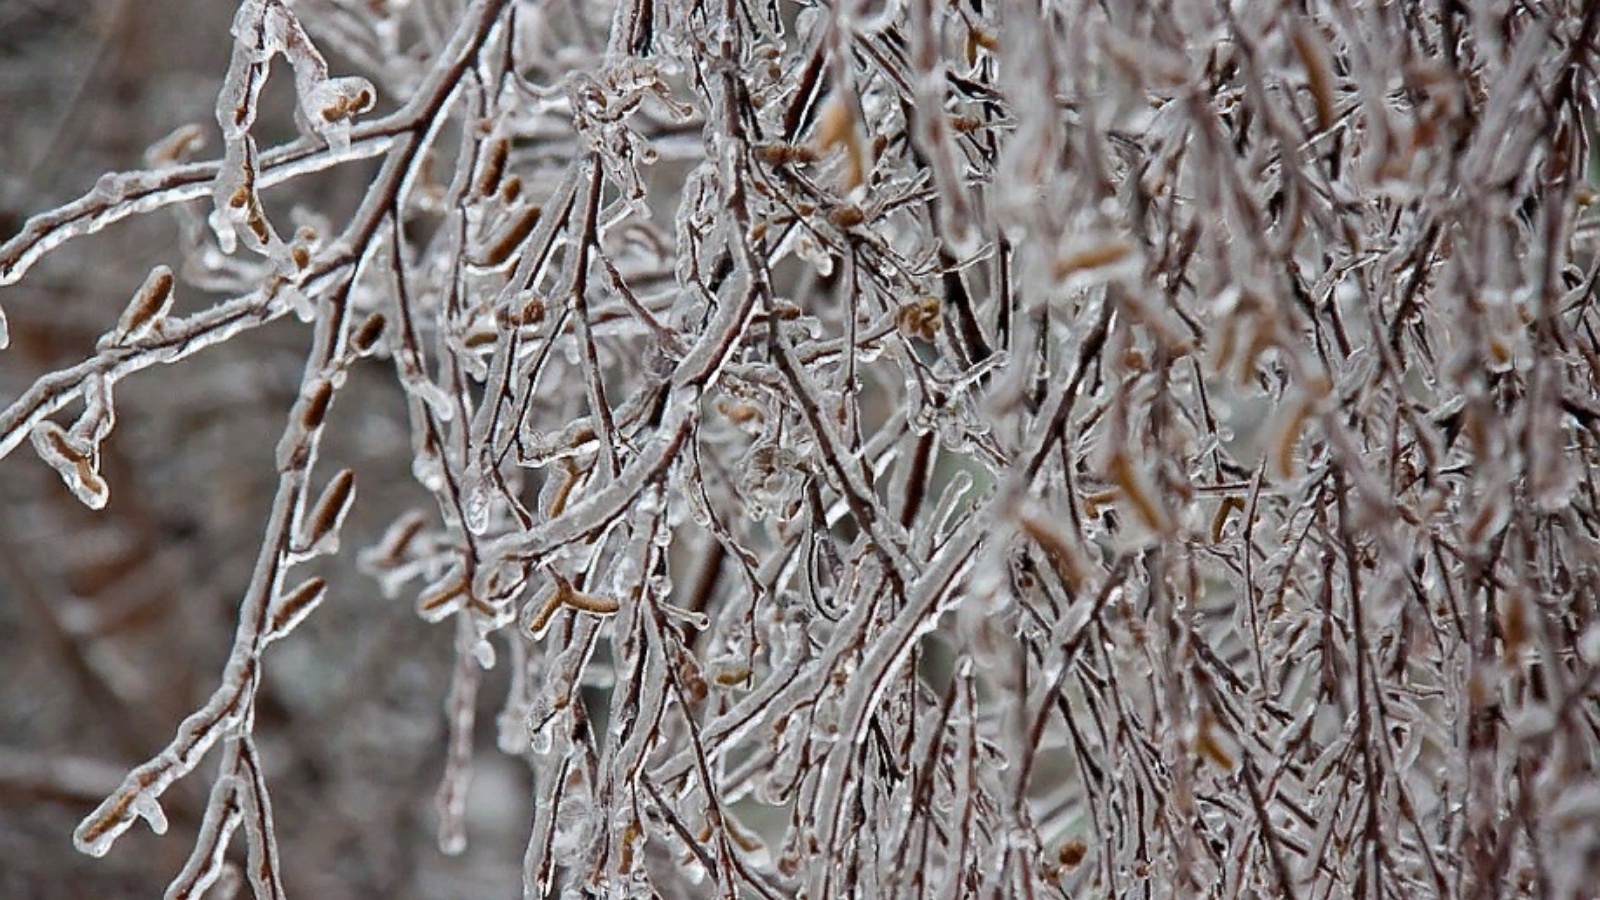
479,337
741,413
785,311
538,618
631,834
1210,747
337,99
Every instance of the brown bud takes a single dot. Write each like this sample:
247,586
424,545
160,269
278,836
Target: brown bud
149,304
514,236
366,337
292,608
316,405
494,167
331,507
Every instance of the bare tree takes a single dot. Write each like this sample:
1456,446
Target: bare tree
887,448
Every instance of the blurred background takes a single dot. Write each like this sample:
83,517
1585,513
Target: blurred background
113,625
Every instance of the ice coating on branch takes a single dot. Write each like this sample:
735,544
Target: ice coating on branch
901,445
262,29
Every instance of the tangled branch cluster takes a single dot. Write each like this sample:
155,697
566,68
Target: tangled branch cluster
903,448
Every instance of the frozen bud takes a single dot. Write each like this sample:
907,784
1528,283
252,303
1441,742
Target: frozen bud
315,405
512,238
494,167
443,597
921,318
322,528
176,148
338,99
73,461
366,336
150,304
292,608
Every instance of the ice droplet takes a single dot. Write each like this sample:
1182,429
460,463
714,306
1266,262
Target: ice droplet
428,469
476,502
483,652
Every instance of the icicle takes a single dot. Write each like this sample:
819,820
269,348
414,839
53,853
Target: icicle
483,653
147,807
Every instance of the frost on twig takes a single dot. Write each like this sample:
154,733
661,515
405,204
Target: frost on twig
900,448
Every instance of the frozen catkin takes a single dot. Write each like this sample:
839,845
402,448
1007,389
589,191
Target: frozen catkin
293,607
320,530
74,460
880,450
146,311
